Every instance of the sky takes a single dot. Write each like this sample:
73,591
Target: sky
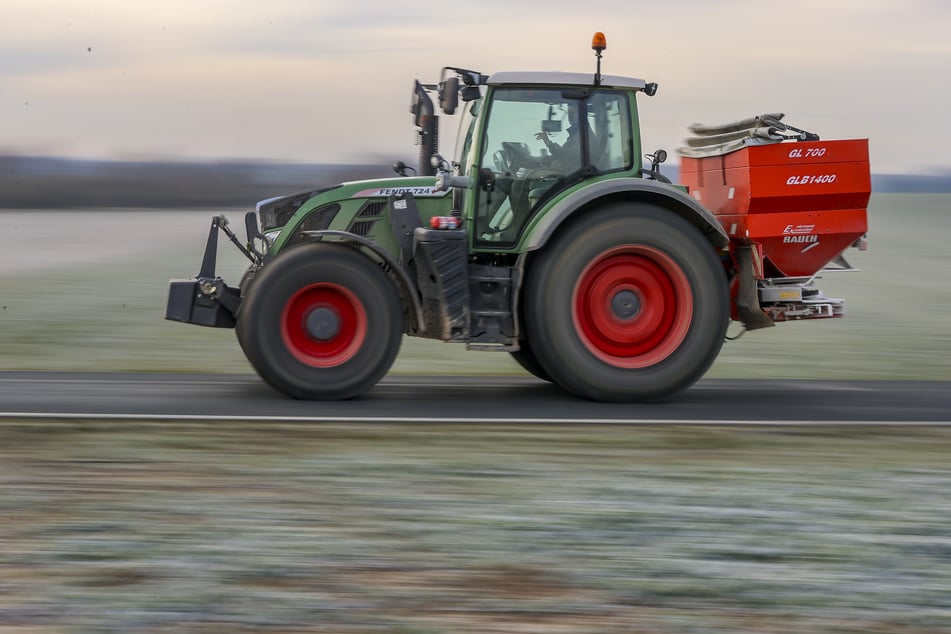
330,81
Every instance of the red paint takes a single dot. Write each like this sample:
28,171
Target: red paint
660,324
804,202
335,350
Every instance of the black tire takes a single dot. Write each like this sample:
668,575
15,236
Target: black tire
321,322
245,286
627,303
529,362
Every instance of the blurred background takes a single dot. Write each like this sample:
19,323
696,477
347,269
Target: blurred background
131,124
330,83
125,126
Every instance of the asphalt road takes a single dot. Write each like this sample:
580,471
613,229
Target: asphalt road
400,398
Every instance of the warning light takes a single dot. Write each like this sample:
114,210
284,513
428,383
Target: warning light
599,42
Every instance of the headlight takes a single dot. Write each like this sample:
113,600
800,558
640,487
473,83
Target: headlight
275,212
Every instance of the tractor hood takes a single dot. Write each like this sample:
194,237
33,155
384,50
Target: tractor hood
352,206
276,212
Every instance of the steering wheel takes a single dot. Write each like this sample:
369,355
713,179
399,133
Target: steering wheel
512,157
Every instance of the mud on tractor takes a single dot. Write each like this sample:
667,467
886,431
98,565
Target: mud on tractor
545,236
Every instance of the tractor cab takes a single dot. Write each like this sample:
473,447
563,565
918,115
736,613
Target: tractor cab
524,139
541,134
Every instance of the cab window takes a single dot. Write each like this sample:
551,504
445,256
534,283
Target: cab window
537,142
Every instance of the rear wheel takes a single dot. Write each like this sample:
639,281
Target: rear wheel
529,362
627,303
321,321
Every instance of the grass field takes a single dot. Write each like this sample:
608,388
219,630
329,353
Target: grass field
86,291
132,527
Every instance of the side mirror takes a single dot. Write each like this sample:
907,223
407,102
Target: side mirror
551,125
449,95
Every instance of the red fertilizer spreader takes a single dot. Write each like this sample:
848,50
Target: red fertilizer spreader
791,204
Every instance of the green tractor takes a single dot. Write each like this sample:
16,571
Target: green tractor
544,237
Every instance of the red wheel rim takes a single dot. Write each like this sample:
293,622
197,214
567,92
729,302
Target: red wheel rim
632,306
323,325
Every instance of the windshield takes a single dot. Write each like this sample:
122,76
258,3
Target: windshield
529,128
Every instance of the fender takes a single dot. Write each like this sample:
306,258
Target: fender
661,194
405,285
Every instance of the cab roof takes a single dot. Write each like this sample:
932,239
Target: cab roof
564,79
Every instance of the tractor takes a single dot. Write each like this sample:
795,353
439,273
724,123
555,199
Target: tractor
545,236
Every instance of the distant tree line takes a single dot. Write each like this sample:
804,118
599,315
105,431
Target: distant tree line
40,182
45,182
912,183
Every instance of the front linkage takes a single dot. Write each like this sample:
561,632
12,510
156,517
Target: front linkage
206,300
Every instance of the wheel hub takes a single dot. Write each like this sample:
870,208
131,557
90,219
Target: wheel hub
626,305
322,323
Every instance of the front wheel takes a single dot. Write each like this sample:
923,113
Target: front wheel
244,286
322,322
627,303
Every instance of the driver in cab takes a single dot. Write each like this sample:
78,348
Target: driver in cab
568,154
